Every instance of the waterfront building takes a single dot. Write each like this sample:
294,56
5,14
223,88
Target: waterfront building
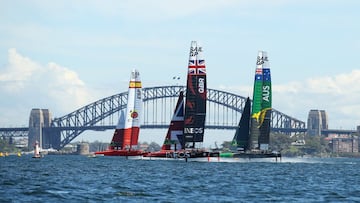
345,145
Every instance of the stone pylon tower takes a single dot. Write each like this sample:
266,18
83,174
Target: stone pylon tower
317,121
39,118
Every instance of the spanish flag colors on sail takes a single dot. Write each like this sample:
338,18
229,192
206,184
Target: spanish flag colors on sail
127,130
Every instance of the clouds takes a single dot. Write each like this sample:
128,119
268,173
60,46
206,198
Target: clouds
17,73
65,87
95,44
26,84
338,95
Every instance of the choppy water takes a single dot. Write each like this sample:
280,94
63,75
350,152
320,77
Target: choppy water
114,179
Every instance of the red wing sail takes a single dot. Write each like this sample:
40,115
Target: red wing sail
127,131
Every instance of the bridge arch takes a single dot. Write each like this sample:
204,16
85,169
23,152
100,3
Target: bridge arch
223,112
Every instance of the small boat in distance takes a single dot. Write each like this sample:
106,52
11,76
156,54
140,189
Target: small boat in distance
125,139
37,150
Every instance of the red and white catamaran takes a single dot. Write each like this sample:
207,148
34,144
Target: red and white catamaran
125,138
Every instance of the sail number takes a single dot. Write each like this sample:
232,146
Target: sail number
201,85
266,93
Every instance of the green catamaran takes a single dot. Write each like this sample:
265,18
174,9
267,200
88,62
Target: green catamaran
261,109
252,137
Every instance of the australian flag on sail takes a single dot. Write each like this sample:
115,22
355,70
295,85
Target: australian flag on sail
266,74
258,74
258,71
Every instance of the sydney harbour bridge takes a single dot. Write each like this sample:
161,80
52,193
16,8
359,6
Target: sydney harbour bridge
223,112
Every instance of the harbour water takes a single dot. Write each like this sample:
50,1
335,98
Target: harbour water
57,178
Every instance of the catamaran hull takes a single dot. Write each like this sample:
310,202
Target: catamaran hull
250,157
160,158
134,154
161,155
270,157
203,159
188,156
197,159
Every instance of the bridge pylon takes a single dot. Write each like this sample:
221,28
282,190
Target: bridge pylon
39,123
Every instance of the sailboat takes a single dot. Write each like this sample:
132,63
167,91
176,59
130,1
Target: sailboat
125,138
186,132
261,109
172,143
252,137
195,108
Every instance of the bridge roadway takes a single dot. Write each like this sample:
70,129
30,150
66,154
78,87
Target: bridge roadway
23,131
223,112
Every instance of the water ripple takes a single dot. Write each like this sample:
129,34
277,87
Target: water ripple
113,179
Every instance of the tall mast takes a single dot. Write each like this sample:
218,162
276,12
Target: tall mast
261,109
196,92
127,130
265,115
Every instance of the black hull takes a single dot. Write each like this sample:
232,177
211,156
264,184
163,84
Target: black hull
202,154
257,155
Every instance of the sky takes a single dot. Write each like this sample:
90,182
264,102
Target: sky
62,55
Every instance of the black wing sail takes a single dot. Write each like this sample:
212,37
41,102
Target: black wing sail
242,135
195,107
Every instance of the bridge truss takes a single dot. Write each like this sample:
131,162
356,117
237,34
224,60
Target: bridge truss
223,112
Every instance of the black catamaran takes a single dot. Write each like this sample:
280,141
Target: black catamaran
186,144
195,107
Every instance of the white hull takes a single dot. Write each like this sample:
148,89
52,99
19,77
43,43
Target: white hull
204,159
198,159
162,159
140,157
133,157
207,159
